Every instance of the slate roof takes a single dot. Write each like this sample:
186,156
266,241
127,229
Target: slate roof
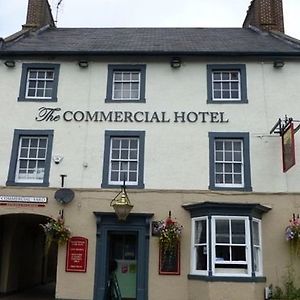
151,41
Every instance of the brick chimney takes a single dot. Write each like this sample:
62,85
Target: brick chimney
38,14
267,15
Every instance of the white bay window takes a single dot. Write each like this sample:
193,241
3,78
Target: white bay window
227,244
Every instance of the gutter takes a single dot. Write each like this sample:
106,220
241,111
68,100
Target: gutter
295,53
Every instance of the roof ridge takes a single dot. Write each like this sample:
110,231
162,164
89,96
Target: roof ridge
295,43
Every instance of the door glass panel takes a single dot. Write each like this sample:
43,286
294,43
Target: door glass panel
123,265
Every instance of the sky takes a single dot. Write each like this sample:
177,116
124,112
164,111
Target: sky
145,13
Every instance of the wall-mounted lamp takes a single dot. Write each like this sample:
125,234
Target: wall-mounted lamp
10,63
83,63
175,62
278,64
121,204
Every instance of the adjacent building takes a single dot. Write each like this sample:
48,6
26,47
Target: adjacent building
181,115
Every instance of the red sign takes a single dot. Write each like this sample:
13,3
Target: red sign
288,148
76,260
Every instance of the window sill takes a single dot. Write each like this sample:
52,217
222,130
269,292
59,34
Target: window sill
12,183
217,188
109,100
116,186
23,99
241,101
226,278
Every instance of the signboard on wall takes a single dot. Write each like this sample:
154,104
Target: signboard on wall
288,147
76,258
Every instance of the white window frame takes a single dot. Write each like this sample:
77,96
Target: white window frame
194,246
259,247
37,80
126,81
211,248
229,185
128,160
28,158
247,248
221,81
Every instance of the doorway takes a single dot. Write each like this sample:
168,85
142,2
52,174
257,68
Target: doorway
23,263
122,251
122,265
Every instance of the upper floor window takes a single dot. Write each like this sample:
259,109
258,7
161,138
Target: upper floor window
126,83
226,84
123,158
39,82
30,159
229,161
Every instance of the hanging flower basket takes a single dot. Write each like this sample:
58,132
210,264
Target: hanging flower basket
169,235
292,234
56,232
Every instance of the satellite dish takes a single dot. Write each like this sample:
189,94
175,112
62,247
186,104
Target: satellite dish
64,196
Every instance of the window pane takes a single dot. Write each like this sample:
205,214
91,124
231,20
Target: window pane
234,94
219,178
133,143
115,166
228,156
200,232
42,153
115,154
256,256
225,85
228,168
133,176
237,168
32,153
219,145
238,231
238,253
124,166
228,145
217,94
125,144
219,156
114,176
24,152
255,230
133,166
219,168
124,154
201,258
222,231
216,75
228,178
222,253
237,178
41,74
237,156
116,143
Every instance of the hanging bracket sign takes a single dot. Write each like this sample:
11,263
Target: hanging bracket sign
285,128
76,260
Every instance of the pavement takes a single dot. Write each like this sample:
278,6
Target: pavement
42,292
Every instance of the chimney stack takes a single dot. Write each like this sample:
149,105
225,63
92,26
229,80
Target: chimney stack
38,14
267,15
